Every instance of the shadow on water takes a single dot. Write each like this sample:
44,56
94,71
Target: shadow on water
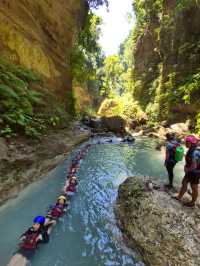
88,235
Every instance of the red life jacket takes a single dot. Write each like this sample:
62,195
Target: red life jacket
57,211
30,241
71,188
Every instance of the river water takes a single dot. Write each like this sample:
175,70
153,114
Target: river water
88,235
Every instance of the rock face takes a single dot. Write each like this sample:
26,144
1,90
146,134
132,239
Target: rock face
39,35
163,231
166,55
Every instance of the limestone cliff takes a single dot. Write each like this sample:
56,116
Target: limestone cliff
166,55
39,35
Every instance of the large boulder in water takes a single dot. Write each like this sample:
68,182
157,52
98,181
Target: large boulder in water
180,128
95,123
163,231
115,124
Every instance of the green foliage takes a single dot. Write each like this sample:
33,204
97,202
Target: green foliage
87,58
190,90
152,111
17,98
171,56
198,123
118,71
183,4
145,11
123,106
22,108
87,53
112,78
6,132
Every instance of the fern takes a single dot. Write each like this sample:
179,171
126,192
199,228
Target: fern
6,91
17,98
34,97
19,102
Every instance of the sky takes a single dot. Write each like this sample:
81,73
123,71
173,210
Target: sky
115,26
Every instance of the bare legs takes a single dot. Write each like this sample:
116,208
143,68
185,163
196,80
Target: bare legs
49,224
194,188
194,193
183,189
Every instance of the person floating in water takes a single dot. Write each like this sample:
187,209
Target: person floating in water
128,139
192,170
170,160
55,212
70,187
36,234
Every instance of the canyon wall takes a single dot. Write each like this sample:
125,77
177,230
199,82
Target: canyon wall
39,35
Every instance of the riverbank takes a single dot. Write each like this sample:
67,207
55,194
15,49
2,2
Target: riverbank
23,161
163,231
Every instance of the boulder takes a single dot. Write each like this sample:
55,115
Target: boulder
165,123
180,128
132,124
114,124
95,123
162,131
162,230
138,134
153,135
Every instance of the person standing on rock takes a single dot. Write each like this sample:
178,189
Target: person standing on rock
170,161
192,170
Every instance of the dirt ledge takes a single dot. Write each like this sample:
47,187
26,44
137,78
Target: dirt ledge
23,161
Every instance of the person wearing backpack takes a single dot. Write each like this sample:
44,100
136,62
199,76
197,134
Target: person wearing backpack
192,170
174,153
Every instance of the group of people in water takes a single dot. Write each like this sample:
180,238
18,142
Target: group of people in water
42,226
174,153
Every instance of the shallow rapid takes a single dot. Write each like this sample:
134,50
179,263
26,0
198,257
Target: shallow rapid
88,235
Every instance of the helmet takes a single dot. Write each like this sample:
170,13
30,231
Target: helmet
74,177
62,197
39,220
192,139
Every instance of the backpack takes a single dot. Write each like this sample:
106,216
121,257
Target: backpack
198,160
178,152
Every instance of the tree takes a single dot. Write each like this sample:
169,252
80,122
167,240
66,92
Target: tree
87,58
113,70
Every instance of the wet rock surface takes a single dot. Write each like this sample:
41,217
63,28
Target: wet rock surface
114,124
163,230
